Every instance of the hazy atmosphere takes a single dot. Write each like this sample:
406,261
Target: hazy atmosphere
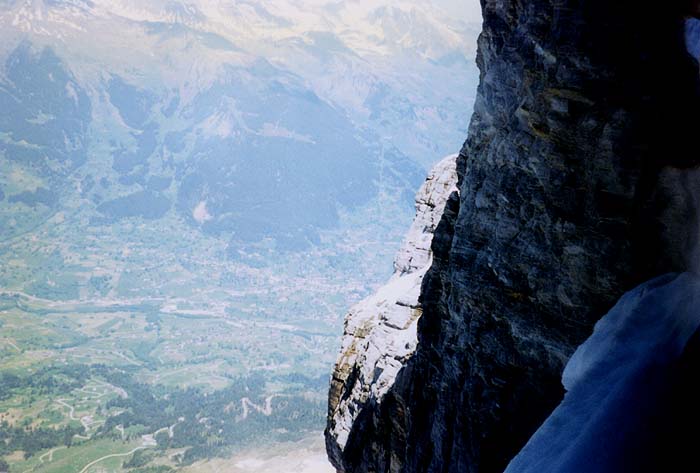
192,196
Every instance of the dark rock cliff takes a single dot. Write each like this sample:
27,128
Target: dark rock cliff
573,189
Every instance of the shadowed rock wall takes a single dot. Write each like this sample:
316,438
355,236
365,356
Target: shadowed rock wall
572,190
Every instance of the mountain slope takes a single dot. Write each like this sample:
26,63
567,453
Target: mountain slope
380,333
195,113
572,191
190,195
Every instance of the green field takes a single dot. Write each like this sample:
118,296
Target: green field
96,324
77,459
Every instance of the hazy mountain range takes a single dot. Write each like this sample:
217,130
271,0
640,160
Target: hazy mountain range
202,107
191,196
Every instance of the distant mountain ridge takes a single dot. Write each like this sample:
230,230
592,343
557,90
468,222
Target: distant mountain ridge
201,108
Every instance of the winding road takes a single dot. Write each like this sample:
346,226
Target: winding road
113,455
49,454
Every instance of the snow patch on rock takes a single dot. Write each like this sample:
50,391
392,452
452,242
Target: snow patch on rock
201,213
381,331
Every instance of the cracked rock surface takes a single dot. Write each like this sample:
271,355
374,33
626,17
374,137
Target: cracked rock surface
572,190
380,332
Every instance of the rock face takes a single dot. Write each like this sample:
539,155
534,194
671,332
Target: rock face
381,331
572,191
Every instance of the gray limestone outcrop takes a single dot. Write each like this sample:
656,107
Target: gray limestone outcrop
572,190
381,331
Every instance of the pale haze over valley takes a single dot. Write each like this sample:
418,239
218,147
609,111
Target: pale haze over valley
192,195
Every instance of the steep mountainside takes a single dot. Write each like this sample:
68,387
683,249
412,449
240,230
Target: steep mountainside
571,191
197,109
381,331
192,192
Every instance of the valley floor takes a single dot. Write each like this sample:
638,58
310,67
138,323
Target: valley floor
306,456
